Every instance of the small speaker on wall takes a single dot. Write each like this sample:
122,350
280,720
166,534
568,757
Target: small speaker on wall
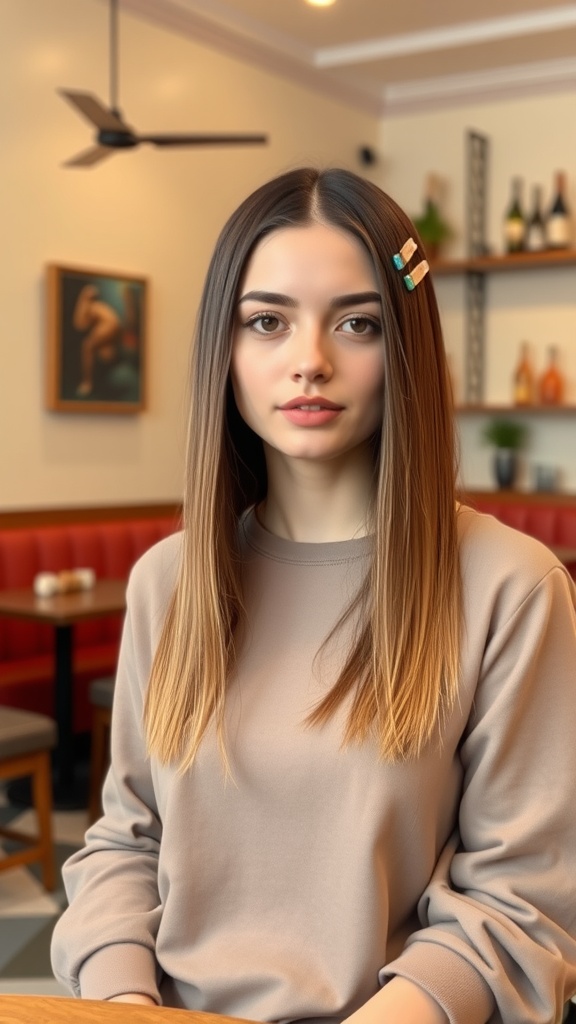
366,156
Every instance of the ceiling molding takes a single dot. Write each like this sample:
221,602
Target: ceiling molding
219,14
465,34
475,87
182,17
249,41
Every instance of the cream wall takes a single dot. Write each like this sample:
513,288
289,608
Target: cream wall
150,212
533,138
157,213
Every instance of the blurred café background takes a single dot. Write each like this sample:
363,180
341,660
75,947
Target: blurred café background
465,114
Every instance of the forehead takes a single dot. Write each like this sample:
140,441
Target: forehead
312,255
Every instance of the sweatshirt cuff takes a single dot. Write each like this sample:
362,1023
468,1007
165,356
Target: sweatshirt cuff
446,976
118,969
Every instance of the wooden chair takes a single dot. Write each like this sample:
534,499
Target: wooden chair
101,695
26,739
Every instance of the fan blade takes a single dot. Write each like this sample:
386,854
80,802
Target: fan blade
100,116
88,157
202,140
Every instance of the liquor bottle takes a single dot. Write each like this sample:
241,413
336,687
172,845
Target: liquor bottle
535,228
514,220
551,383
558,226
524,378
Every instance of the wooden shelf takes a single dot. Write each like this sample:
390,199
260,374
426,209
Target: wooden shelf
516,410
26,518
502,264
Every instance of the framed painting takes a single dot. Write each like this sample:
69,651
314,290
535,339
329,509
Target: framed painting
96,340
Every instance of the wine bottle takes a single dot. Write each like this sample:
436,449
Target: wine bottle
535,228
551,383
524,378
558,226
514,220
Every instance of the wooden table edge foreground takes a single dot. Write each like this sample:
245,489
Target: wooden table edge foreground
23,1009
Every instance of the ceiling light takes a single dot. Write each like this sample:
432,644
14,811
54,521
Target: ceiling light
320,3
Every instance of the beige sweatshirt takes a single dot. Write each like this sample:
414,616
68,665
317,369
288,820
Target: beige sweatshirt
298,890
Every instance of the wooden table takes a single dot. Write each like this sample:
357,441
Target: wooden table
56,1010
62,611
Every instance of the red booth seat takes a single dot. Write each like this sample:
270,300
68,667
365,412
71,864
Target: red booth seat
111,548
27,648
552,523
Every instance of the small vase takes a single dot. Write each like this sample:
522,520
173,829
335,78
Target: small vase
505,467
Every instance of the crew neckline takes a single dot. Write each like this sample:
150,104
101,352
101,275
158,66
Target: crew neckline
313,553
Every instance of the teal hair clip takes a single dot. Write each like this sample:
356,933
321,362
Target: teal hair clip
414,278
400,259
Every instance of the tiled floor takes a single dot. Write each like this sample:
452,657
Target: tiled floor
28,913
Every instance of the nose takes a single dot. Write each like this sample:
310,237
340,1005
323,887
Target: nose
310,356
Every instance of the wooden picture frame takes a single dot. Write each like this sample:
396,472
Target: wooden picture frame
96,340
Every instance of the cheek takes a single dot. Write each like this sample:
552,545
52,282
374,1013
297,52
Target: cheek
370,377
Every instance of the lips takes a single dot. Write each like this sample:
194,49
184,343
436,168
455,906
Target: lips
311,412
310,404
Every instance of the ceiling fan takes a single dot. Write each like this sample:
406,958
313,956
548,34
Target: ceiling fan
113,133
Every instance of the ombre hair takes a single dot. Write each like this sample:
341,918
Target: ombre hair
401,674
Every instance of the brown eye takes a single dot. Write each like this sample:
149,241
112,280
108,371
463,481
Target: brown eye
359,326
362,326
269,323
265,323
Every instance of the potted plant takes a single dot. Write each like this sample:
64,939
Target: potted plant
430,224
507,437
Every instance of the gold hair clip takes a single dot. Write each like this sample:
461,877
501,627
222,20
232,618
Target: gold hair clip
414,278
400,259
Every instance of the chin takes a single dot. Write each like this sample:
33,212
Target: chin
315,452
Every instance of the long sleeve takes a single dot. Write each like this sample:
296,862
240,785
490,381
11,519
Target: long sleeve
499,912
104,943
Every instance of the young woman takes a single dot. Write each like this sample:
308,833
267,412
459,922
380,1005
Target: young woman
344,740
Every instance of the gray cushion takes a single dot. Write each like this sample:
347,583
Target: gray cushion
102,692
25,732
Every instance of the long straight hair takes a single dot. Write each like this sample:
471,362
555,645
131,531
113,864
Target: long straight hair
401,674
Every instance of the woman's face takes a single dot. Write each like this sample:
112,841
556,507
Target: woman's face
308,354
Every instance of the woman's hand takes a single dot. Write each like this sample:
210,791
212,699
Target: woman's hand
399,1002
133,997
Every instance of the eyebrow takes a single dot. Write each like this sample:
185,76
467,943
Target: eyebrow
277,299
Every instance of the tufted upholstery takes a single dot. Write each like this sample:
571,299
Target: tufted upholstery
553,524
26,648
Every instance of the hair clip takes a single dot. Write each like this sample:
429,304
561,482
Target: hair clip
400,259
414,278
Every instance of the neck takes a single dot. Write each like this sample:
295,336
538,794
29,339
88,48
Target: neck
318,502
